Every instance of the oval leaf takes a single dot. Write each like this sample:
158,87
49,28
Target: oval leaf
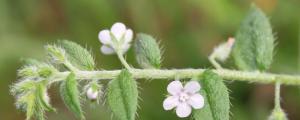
43,97
78,56
205,113
147,51
253,49
70,95
217,97
122,96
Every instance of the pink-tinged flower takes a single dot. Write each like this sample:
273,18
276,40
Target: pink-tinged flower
117,39
183,99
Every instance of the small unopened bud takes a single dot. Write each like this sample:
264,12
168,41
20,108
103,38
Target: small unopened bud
28,71
92,94
223,51
148,54
278,114
46,70
56,53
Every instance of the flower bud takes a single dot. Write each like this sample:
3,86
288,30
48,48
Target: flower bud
223,51
56,53
92,94
28,71
278,114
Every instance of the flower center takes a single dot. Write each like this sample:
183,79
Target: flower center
183,97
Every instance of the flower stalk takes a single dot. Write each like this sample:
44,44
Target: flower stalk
123,61
277,95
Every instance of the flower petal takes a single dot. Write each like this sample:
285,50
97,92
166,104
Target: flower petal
196,101
107,50
118,29
192,87
175,87
170,102
183,110
104,37
128,36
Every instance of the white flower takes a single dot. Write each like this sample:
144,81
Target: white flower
116,39
183,98
92,94
223,51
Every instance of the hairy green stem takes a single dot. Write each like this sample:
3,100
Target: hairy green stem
185,73
212,60
277,95
123,61
70,66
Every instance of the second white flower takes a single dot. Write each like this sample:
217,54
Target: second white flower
117,39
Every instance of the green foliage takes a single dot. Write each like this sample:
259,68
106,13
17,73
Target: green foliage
70,95
77,55
122,96
28,71
36,69
217,98
147,51
45,70
43,96
32,98
30,61
254,44
56,53
205,113
278,114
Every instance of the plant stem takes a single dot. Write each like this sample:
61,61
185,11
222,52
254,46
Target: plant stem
277,95
123,61
185,73
212,60
70,66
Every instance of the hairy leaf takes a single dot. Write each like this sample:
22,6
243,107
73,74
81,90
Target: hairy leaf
56,53
205,113
78,56
43,97
217,98
36,69
70,95
253,49
122,96
147,51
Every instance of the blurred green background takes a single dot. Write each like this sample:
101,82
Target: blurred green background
187,29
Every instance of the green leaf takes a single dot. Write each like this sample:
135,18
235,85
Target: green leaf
70,95
77,55
122,96
254,46
216,94
30,61
36,69
56,53
147,51
43,97
205,113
